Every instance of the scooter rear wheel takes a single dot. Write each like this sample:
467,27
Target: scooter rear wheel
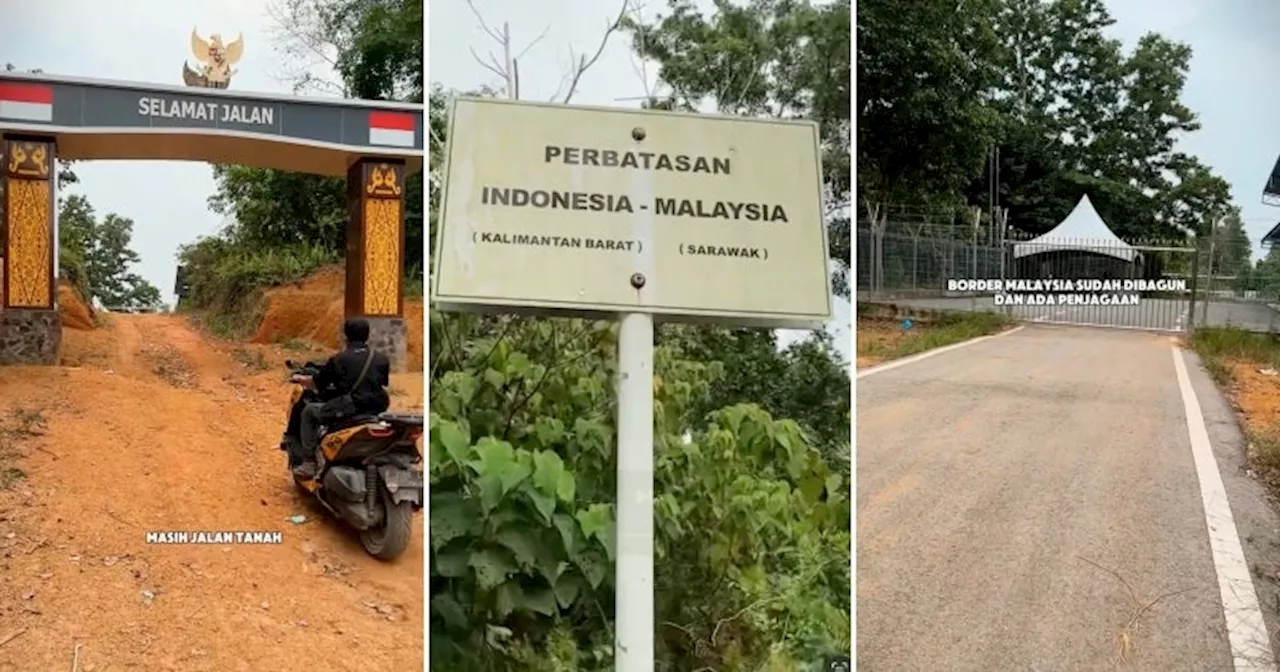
389,541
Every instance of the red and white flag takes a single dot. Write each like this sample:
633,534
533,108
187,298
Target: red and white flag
26,102
390,128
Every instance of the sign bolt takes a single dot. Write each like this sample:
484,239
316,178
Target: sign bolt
637,280
637,134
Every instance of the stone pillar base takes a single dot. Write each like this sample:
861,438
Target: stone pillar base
387,336
31,337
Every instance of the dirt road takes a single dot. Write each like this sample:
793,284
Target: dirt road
154,427
1031,502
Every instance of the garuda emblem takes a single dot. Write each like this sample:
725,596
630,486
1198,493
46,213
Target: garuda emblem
215,61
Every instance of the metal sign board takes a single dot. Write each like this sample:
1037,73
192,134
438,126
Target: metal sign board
47,104
572,210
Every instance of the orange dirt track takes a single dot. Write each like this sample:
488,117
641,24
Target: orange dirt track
151,425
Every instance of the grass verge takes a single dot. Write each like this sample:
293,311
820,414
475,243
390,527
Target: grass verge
882,338
1246,366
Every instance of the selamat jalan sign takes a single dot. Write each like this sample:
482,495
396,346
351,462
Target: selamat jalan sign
570,210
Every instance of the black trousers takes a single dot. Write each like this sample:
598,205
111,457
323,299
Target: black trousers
309,429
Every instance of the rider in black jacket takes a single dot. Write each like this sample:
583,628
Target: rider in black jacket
354,382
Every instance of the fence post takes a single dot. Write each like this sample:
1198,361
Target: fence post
1212,263
1004,259
915,264
973,255
1195,274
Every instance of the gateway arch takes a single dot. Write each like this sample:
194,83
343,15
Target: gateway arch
375,144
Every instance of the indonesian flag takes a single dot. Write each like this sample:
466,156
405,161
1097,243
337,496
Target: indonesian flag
26,102
391,128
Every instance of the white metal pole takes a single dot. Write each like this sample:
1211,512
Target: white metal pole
634,618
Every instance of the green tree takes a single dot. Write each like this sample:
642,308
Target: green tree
1080,116
1233,251
274,209
806,381
100,249
925,70
284,225
1040,82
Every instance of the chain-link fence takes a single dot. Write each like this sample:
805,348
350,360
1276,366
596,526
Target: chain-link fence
966,263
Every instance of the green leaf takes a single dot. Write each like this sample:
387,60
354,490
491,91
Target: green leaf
551,571
548,467
594,568
595,520
508,597
491,492
540,601
451,561
455,441
492,567
567,488
835,489
522,541
492,456
549,431
453,516
499,469
517,366
545,504
608,539
567,589
593,435
512,475
494,378
464,385
449,610
811,487
568,531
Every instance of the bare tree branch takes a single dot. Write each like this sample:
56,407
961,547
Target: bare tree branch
534,43
509,72
492,66
300,34
506,70
484,25
640,64
583,64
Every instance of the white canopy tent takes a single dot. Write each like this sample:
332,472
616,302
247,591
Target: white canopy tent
1083,230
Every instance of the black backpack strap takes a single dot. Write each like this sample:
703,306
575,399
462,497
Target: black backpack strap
368,361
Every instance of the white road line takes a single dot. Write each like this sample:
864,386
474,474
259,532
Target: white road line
888,366
1246,631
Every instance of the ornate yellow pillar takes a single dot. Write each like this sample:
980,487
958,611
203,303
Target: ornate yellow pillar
30,327
375,253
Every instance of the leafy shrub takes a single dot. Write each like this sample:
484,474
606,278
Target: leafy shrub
751,524
220,273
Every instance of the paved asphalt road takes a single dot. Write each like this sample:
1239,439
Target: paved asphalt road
1001,483
1163,314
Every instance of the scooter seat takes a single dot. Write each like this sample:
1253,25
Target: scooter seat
353,421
